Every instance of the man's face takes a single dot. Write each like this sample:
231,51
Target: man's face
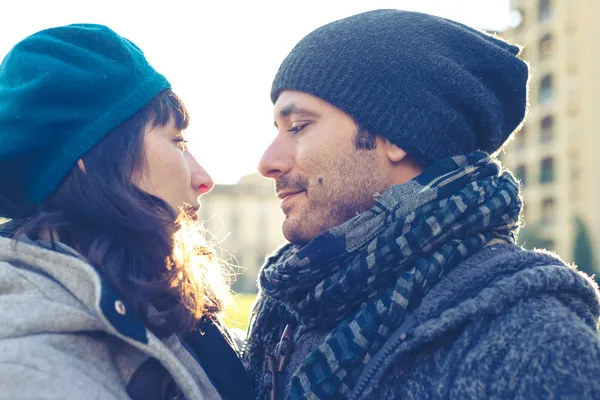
320,175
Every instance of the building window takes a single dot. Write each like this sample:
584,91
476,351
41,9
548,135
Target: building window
547,171
547,129
545,48
521,174
544,10
545,94
548,211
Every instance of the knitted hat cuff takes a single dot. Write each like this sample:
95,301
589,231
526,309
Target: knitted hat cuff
375,116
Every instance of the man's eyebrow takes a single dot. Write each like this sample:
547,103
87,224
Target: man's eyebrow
294,109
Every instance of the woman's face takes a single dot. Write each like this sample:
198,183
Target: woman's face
172,173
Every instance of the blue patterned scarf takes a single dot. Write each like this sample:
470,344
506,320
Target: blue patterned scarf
361,278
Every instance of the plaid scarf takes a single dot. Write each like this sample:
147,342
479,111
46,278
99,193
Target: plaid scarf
361,278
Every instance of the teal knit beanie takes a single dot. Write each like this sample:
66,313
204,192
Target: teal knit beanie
61,91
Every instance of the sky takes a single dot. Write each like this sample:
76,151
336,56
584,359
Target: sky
221,56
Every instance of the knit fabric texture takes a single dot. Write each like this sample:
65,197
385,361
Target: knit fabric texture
434,87
505,324
61,91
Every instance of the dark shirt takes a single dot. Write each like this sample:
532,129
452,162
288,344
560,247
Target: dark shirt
220,362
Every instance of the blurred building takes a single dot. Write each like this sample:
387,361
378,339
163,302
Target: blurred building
557,154
244,220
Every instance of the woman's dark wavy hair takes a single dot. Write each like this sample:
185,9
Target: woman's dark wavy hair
153,256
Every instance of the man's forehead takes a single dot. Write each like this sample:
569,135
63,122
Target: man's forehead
293,102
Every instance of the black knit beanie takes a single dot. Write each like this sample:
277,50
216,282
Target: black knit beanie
434,87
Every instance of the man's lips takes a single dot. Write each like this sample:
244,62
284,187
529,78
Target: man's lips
287,195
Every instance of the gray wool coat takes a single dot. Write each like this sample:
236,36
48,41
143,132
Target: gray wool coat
64,334
505,324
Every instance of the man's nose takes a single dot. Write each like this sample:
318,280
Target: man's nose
277,159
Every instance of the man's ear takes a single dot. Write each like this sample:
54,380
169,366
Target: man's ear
394,153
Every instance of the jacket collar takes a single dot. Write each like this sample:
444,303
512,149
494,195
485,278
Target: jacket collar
77,276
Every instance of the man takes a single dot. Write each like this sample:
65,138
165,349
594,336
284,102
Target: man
402,278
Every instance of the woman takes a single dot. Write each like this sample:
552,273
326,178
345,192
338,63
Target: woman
107,290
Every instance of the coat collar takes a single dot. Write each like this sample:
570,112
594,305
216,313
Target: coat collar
67,267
